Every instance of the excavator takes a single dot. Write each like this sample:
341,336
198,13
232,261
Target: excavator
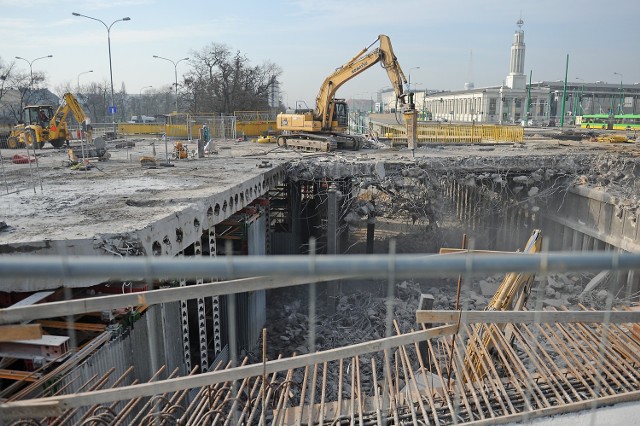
40,124
324,129
512,295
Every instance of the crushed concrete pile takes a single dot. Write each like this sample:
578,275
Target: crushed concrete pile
361,316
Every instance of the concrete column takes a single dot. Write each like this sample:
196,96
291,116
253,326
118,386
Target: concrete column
598,245
371,228
633,284
184,315
332,220
576,244
467,205
332,229
494,228
456,199
567,238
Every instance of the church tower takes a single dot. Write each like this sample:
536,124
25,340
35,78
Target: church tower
516,78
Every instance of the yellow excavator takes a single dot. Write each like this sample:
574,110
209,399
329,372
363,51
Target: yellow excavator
40,124
512,295
324,129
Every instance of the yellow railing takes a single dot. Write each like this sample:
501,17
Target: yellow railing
140,129
172,130
248,123
456,133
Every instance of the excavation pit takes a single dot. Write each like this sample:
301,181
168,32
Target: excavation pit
580,195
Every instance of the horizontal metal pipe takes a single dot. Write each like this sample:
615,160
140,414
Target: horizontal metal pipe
372,266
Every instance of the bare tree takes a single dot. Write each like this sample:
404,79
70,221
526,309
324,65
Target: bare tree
94,97
224,82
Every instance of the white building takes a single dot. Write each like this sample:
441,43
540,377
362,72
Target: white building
506,103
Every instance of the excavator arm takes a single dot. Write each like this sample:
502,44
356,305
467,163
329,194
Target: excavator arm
59,119
72,105
359,63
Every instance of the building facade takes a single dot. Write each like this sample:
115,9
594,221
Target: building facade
516,102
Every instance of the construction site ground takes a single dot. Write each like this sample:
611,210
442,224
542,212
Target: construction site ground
51,200
55,200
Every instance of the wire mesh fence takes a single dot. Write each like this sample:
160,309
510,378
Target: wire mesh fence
432,367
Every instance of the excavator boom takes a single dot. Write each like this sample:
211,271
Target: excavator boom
358,64
324,128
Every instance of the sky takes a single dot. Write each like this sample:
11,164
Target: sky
440,44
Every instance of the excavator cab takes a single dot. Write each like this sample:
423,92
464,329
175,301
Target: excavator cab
341,112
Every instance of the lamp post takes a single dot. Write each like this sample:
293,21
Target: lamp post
112,109
620,108
409,79
84,72
140,98
175,69
581,109
31,68
283,92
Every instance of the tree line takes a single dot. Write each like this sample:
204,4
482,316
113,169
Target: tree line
218,80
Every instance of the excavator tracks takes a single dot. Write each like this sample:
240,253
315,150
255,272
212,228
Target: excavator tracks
320,143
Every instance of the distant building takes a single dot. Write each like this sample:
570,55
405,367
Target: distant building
507,103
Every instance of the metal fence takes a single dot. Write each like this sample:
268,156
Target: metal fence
583,360
465,133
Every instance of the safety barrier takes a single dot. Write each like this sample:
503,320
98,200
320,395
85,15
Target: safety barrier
463,133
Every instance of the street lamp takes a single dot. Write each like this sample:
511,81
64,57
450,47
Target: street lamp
620,109
145,87
140,98
409,80
581,112
84,72
31,68
175,69
112,109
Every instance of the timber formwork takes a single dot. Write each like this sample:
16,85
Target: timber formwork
538,367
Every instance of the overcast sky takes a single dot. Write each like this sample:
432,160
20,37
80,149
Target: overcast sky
451,41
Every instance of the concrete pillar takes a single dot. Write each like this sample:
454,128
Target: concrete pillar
598,245
332,220
567,238
371,227
576,244
494,229
332,229
457,199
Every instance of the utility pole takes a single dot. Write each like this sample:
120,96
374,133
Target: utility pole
526,110
564,91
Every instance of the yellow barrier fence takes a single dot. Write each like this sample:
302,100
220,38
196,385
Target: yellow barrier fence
172,130
463,133
246,128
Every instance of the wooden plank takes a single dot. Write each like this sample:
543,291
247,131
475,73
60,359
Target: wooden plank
526,317
55,406
74,325
9,333
23,376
